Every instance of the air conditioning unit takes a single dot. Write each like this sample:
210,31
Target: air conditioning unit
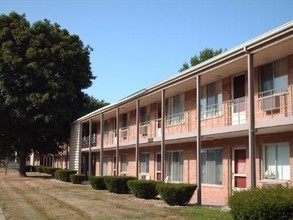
124,134
143,130
270,103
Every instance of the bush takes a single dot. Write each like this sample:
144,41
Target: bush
77,178
118,184
262,203
40,169
97,182
45,169
176,194
145,189
51,170
64,175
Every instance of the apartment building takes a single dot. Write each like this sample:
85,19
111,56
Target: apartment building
240,137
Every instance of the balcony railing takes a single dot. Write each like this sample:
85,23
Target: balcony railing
269,105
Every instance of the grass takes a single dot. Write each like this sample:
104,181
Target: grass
40,197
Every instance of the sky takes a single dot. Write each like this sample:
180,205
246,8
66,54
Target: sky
138,43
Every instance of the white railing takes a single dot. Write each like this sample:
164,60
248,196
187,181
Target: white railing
273,104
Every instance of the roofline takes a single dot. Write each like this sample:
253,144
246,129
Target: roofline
242,49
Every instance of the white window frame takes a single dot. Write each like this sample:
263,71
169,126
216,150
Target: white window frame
124,164
170,168
275,170
144,163
209,110
279,75
206,173
175,111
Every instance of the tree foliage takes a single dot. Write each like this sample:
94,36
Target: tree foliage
203,56
43,70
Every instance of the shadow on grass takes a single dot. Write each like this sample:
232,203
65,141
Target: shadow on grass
38,175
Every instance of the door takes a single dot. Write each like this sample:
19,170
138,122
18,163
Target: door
159,120
238,102
158,167
239,169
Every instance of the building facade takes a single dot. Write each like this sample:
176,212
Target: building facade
240,137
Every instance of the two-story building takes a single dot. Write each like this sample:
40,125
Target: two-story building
241,136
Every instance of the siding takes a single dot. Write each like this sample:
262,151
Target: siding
74,147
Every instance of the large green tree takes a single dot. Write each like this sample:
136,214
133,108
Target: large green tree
203,56
43,70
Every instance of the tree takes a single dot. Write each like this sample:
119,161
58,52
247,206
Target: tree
203,56
43,70
91,104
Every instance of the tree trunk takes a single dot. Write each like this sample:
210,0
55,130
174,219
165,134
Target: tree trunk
22,161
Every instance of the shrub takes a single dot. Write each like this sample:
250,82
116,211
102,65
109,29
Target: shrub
117,184
77,178
176,194
145,189
262,203
64,175
40,169
51,170
45,169
97,182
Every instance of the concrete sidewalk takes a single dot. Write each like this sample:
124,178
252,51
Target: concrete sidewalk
2,216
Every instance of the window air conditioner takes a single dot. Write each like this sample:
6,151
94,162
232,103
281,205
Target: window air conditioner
270,102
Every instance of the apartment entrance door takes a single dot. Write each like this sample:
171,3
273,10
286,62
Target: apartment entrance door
159,120
239,169
238,102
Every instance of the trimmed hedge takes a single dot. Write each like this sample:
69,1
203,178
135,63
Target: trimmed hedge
77,178
40,169
97,182
51,170
118,184
145,189
262,203
64,175
176,194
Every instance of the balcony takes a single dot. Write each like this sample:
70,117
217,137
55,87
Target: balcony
275,104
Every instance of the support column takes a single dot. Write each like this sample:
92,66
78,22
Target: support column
251,131
117,145
137,140
163,173
79,149
90,148
102,143
198,139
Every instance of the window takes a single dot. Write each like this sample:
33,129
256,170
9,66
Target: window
175,166
274,77
144,115
124,163
211,166
124,120
106,129
105,165
175,110
276,159
211,100
144,163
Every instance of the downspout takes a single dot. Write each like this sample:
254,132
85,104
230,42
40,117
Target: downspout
251,130
198,139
